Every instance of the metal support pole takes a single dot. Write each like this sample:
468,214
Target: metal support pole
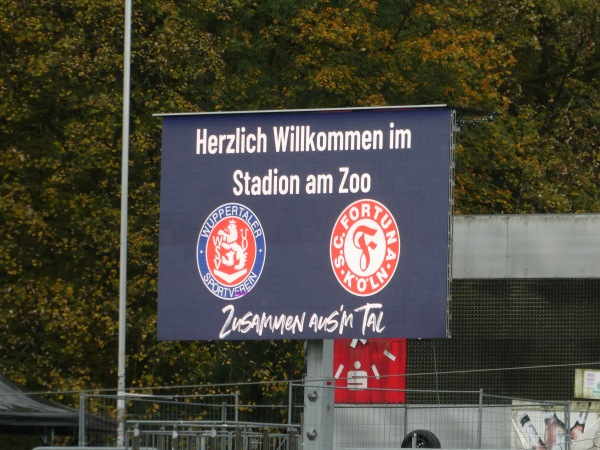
405,422
82,442
224,420
123,256
237,406
317,432
137,440
175,438
290,399
480,418
239,444
567,414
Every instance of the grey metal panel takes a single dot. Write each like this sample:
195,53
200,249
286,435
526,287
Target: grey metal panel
479,247
526,246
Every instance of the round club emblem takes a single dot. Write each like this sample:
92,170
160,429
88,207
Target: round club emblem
231,251
365,247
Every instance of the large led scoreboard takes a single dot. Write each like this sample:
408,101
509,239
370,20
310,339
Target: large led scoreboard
307,224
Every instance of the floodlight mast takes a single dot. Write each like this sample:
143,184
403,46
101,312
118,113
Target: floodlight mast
124,206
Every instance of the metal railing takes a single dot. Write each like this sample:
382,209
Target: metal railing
178,419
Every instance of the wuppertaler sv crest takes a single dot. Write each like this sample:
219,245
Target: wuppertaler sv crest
231,251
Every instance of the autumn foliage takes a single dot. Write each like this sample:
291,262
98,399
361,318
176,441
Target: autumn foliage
534,64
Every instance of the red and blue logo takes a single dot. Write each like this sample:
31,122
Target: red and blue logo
231,251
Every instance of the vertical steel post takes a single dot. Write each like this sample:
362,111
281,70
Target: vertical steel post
239,444
290,399
567,414
223,420
123,255
480,418
317,433
175,438
137,440
405,422
237,405
82,442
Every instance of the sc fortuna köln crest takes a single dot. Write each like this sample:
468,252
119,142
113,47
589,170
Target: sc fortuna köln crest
231,251
365,247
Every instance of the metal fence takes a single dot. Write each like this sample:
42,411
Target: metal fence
180,420
191,418
476,421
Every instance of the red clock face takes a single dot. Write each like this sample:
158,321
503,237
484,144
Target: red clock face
370,370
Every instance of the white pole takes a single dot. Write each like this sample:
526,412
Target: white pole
123,258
